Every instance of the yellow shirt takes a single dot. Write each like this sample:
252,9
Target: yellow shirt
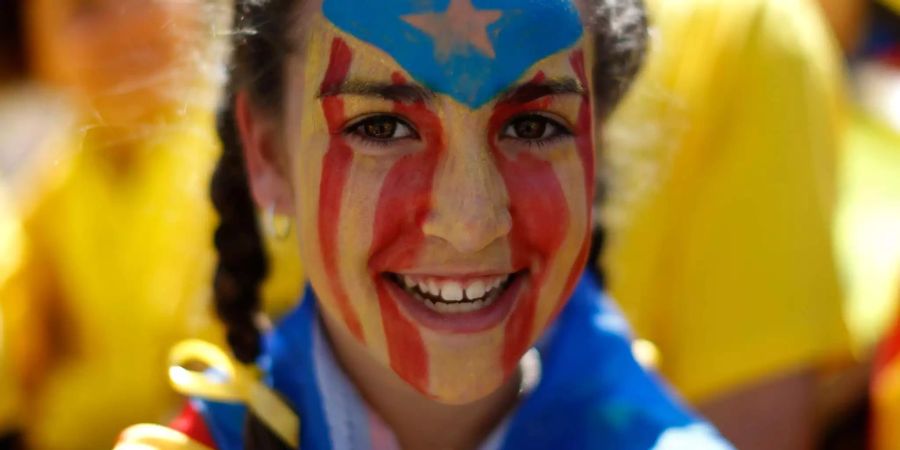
10,258
720,217
117,267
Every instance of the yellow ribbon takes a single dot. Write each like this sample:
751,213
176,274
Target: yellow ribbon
230,382
156,437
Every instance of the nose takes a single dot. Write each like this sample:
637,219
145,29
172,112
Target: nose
469,205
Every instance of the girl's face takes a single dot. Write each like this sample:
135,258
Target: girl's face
441,174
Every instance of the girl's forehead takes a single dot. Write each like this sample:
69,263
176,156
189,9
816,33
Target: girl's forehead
469,50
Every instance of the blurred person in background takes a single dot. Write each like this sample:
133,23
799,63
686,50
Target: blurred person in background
115,251
720,243
32,118
868,232
869,215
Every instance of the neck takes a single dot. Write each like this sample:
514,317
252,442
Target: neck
417,421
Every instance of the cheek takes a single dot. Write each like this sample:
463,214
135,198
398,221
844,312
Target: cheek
540,218
550,204
403,204
394,201
335,169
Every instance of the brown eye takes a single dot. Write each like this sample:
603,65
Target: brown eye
383,128
530,128
533,127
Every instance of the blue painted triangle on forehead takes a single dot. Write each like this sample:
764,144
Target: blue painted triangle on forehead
477,57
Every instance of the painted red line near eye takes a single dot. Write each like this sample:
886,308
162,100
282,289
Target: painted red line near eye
403,204
584,139
335,168
539,213
584,143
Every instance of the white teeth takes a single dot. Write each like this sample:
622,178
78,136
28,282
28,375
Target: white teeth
455,297
451,291
475,290
433,288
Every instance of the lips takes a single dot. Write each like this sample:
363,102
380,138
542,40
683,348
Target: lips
456,304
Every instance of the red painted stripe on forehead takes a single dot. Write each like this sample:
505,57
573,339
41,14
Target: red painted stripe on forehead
539,222
338,67
335,168
403,204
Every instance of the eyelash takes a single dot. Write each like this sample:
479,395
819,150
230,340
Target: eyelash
560,131
356,129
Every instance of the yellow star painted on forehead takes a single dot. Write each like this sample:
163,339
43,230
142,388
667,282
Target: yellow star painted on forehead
457,28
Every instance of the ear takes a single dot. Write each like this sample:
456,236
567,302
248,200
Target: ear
267,168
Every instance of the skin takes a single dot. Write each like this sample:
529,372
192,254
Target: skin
777,414
453,191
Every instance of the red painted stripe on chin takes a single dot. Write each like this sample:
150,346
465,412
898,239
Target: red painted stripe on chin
335,168
403,204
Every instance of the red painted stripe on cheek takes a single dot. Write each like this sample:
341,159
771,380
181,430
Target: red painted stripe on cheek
335,169
403,204
584,142
584,138
539,222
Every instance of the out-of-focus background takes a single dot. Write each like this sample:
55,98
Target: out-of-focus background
751,215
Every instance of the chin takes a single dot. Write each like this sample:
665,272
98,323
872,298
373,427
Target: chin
451,392
462,322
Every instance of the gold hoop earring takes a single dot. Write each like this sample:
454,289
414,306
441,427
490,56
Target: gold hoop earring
277,225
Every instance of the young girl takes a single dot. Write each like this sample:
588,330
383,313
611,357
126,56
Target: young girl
437,158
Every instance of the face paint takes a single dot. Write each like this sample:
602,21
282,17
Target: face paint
403,203
466,52
334,176
444,221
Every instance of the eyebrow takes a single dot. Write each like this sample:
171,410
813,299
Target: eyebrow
409,93
534,90
399,92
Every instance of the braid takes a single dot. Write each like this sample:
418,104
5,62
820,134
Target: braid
242,263
13,57
260,30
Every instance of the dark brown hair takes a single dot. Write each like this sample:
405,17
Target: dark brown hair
12,41
261,41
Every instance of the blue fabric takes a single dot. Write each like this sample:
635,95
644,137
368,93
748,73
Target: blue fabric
225,422
592,393
291,371
525,33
